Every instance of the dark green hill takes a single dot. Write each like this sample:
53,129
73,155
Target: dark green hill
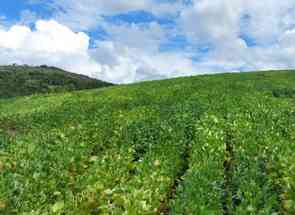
27,80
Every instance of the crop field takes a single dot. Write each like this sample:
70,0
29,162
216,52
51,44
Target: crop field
214,144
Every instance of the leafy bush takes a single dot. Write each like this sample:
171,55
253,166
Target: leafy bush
284,93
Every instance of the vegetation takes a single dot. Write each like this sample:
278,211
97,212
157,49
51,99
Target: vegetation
220,144
26,80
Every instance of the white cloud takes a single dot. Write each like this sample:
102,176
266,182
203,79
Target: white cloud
287,39
133,52
122,61
87,14
49,36
216,20
122,64
267,19
210,21
147,37
51,43
223,25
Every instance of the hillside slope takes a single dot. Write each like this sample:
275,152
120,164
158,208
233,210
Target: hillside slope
26,80
219,144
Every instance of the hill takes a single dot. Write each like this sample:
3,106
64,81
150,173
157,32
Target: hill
213,144
26,80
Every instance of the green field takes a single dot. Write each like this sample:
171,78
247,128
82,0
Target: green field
214,144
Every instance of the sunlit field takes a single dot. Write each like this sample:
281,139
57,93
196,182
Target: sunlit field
215,144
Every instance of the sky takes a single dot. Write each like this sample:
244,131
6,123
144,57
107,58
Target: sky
126,41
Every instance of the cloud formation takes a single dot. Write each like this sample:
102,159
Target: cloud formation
50,43
215,36
120,62
87,14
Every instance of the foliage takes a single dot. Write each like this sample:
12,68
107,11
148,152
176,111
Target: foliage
26,80
221,144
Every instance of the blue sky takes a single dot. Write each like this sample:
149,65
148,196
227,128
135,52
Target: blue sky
125,41
12,9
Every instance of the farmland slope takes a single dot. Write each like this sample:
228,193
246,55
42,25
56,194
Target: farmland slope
214,144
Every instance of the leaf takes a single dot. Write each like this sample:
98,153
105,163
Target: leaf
58,206
2,205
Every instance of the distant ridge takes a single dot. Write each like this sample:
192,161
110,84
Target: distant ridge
27,80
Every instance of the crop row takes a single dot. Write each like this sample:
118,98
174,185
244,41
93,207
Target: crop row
241,161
